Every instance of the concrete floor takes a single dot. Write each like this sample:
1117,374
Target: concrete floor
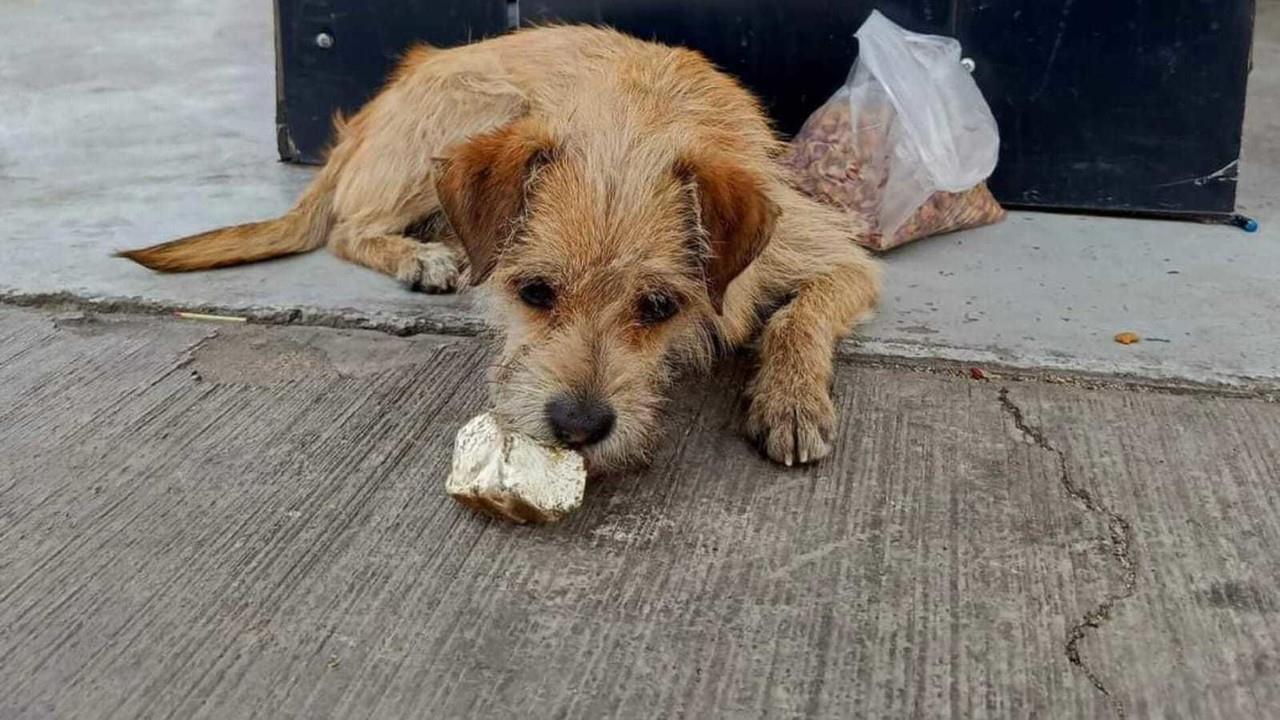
202,520
142,120
211,520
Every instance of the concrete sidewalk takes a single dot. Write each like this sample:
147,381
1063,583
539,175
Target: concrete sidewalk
234,521
227,521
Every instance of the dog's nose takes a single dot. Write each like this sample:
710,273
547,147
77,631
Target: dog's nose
579,421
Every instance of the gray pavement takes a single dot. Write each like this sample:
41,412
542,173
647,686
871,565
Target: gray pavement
233,521
132,122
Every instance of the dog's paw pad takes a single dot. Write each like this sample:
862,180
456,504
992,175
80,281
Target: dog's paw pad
792,428
435,270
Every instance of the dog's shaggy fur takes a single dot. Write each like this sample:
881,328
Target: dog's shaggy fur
623,203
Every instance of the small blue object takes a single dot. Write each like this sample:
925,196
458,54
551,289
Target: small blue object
1246,224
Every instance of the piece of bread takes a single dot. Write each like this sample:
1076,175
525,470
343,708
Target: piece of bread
511,477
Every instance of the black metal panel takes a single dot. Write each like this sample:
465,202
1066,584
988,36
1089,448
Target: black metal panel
367,37
792,53
1103,104
1114,105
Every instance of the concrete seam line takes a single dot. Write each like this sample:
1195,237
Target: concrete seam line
437,321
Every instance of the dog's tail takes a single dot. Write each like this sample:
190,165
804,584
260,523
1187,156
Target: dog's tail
302,229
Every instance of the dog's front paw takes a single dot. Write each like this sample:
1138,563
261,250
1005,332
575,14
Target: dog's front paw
792,426
434,269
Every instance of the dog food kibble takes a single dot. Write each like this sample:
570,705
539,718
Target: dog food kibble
1127,338
512,477
847,167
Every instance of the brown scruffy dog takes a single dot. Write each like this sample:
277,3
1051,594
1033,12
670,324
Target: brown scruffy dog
623,204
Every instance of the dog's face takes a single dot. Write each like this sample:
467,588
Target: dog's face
606,275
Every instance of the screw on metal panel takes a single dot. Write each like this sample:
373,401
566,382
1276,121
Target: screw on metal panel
968,64
324,41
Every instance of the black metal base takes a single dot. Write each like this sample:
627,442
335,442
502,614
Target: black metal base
1103,106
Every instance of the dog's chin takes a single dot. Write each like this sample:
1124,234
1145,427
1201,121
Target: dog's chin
608,459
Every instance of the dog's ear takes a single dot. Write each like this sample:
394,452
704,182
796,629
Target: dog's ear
734,213
483,184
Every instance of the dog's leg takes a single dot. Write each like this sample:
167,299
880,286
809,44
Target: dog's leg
422,256
387,214
430,267
833,284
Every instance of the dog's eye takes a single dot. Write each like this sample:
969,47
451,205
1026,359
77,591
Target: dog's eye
656,308
538,294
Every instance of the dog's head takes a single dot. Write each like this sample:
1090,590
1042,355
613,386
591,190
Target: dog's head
607,266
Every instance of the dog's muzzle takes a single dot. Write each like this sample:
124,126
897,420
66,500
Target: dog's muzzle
579,421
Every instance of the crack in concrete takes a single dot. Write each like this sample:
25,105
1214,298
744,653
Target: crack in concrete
1121,538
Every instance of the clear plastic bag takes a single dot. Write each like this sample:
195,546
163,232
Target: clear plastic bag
908,141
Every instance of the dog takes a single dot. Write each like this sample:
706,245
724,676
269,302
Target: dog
623,205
